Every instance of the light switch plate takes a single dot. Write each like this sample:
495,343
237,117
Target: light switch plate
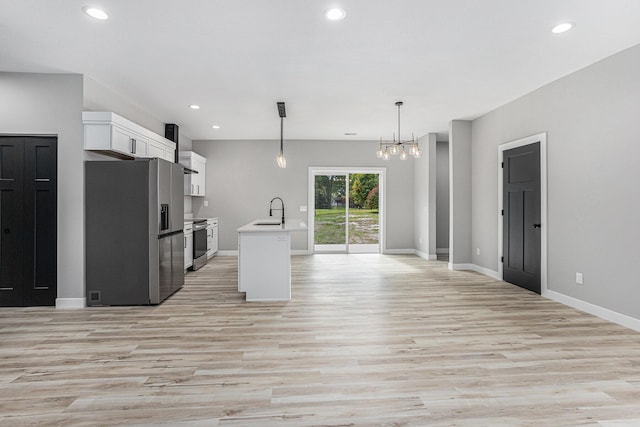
579,280
303,208
206,203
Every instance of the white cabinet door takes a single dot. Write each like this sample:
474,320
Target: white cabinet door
209,241
201,167
121,141
156,150
194,183
140,146
215,245
188,250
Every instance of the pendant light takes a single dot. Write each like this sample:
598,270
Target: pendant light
395,147
282,162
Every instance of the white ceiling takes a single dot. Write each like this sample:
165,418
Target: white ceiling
446,59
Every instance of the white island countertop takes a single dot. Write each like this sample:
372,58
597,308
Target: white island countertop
271,225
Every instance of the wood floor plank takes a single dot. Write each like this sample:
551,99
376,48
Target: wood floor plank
365,340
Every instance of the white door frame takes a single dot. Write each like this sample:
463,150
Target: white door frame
382,200
542,139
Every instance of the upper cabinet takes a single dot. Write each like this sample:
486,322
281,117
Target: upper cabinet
194,183
111,134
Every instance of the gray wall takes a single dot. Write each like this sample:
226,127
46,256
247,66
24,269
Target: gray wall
442,195
424,197
52,104
242,177
460,190
592,120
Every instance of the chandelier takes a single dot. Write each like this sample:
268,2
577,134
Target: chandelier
402,148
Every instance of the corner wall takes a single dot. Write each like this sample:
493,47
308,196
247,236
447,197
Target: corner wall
51,104
591,120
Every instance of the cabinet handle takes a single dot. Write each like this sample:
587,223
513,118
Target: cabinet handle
198,188
192,189
185,243
133,146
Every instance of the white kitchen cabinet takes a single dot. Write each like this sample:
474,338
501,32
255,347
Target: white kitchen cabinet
194,183
188,245
113,135
212,237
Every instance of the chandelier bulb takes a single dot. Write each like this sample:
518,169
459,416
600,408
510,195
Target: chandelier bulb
385,156
418,153
395,150
403,154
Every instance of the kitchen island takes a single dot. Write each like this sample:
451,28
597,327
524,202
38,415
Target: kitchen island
264,259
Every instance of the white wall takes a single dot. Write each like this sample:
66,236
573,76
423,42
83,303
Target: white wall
442,195
52,104
592,122
242,177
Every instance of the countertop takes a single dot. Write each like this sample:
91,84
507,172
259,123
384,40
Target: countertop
289,225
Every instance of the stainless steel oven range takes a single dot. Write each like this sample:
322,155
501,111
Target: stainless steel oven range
199,243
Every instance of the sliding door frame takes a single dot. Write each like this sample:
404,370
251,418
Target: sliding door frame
382,201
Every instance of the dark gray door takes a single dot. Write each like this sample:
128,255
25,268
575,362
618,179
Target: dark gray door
521,222
28,220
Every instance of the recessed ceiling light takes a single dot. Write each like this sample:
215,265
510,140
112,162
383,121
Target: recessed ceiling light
350,133
215,127
335,14
96,13
561,28
194,107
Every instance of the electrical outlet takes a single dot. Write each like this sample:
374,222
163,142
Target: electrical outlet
206,203
477,251
303,208
579,278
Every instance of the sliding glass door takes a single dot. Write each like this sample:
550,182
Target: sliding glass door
346,211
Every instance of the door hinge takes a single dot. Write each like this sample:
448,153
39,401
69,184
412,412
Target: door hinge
501,259
502,165
502,212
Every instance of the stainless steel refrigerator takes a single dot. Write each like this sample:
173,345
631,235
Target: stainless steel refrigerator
134,218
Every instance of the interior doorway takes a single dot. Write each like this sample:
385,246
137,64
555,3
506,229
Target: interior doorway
28,220
522,223
346,210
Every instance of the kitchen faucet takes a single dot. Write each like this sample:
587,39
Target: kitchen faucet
271,209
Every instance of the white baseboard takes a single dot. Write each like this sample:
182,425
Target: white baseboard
235,253
442,251
487,272
596,310
430,257
399,252
460,266
227,253
65,303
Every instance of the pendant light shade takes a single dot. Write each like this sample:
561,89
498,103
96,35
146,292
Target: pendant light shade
282,162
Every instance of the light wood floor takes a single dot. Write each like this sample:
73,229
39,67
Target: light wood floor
366,340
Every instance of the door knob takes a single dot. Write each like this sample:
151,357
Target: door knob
537,225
